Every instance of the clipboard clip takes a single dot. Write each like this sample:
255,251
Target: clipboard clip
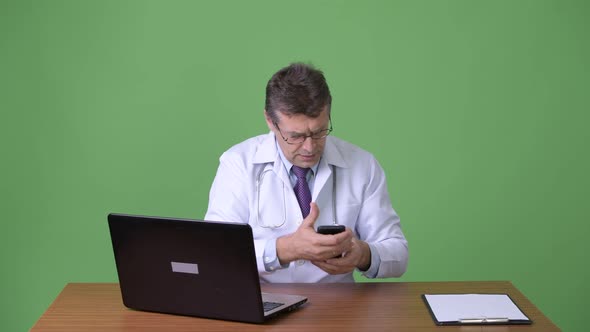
483,320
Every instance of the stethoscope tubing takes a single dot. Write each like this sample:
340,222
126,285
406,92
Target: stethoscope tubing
260,178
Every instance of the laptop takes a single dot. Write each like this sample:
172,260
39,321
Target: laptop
192,267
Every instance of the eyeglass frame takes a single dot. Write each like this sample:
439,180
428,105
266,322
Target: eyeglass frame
327,133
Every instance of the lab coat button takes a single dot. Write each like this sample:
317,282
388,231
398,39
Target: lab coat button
300,262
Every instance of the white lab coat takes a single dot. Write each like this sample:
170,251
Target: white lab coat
362,203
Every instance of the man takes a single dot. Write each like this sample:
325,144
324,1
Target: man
296,178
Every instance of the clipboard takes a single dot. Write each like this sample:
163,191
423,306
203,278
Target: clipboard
474,309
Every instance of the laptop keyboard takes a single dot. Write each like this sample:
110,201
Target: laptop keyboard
268,306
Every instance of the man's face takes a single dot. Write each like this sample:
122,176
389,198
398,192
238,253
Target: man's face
309,152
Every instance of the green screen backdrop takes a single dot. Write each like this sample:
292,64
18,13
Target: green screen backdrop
477,111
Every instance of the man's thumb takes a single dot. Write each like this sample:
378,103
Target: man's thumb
314,212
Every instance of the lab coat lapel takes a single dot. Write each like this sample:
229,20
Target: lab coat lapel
331,156
267,153
324,172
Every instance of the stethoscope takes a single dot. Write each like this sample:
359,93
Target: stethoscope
259,180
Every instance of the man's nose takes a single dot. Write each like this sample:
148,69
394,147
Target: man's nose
308,144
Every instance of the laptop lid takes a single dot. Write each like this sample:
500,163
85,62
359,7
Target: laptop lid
190,267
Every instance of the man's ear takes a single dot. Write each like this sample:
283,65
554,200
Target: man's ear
269,123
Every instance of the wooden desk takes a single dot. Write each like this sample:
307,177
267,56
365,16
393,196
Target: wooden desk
393,306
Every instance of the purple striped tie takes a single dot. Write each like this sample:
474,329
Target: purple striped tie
302,189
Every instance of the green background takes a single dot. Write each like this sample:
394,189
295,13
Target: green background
477,111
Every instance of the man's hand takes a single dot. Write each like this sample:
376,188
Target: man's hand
359,257
306,244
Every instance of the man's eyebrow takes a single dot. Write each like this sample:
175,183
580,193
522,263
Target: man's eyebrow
312,132
295,133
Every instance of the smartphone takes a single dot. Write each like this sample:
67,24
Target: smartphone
331,229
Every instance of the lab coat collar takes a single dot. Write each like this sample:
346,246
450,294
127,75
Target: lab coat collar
267,151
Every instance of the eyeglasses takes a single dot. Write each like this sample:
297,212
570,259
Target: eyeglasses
300,138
